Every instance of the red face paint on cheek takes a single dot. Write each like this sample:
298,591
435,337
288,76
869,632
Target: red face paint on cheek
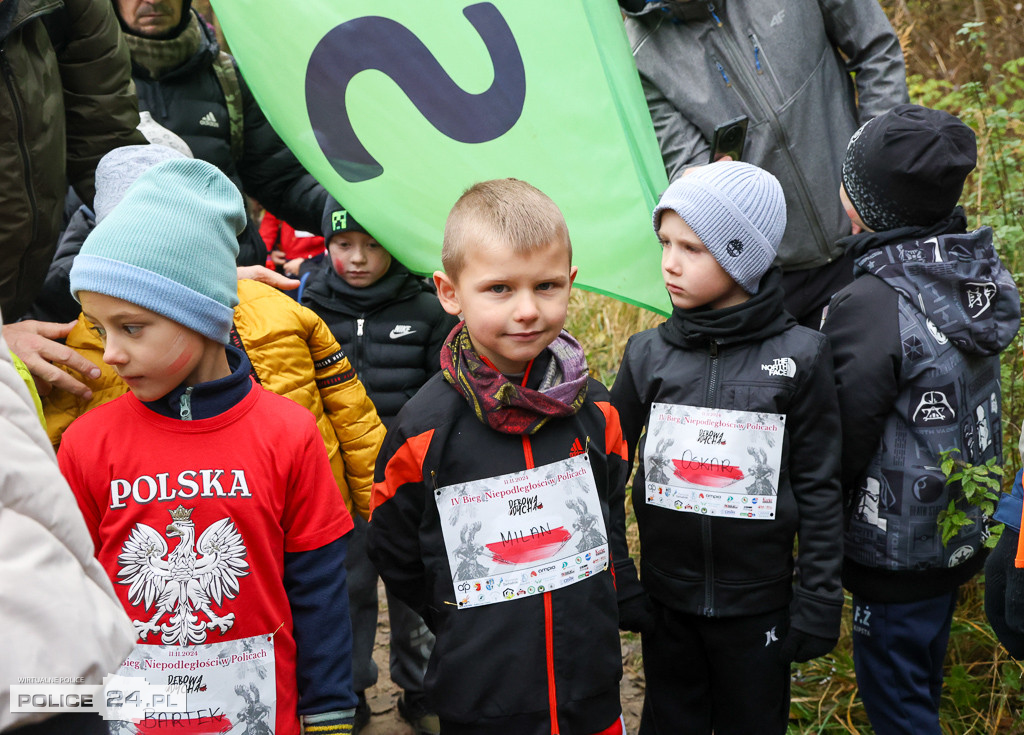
182,361
183,358
339,265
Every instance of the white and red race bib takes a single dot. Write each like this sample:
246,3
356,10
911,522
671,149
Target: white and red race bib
227,686
713,461
523,533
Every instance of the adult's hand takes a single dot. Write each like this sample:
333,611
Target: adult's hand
35,343
693,169
267,276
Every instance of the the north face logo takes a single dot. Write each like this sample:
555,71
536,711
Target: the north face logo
734,248
781,366
577,448
339,220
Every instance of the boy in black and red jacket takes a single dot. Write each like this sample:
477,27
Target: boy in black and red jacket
740,455
498,506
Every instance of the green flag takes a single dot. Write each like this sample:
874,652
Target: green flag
397,108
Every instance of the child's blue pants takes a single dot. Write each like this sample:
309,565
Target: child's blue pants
898,652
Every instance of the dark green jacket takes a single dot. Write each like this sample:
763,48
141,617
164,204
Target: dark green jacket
65,100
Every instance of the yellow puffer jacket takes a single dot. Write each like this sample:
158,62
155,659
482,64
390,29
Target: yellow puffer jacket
294,355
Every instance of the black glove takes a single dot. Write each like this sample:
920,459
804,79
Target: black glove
814,621
1004,594
637,614
799,646
341,722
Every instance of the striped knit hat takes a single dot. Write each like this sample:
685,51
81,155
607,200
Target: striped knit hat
907,167
737,210
170,246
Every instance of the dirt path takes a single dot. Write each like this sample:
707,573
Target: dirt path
383,697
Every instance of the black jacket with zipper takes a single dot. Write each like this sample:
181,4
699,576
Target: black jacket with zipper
190,101
727,567
500,668
392,331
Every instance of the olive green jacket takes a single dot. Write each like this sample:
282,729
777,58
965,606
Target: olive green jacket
66,98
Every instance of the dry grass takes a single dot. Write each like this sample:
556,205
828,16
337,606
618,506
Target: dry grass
603,325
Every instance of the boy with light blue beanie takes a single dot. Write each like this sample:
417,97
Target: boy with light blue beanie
255,584
734,408
172,250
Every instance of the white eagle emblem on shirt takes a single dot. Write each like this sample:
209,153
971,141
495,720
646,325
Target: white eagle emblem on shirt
186,582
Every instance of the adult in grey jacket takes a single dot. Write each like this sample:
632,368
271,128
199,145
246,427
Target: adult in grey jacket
780,63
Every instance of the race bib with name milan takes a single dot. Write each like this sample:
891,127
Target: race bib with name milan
713,461
524,533
229,686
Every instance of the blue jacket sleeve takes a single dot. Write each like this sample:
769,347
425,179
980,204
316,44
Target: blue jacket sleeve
315,583
1010,506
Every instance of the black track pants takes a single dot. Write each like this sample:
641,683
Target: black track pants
721,674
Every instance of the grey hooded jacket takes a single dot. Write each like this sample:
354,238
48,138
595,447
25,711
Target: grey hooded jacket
779,63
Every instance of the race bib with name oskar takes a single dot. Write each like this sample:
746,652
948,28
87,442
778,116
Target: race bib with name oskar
713,461
523,533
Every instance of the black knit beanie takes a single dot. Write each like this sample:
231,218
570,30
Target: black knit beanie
338,219
908,167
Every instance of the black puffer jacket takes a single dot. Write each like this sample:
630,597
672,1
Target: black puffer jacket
391,331
65,100
727,567
188,99
55,302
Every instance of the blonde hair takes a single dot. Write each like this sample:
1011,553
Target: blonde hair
506,211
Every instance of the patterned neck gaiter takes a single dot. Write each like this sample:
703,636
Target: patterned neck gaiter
506,406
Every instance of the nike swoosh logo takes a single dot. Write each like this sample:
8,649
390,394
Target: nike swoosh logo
401,331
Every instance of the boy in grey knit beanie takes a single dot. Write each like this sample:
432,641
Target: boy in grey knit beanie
735,212
258,565
731,408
